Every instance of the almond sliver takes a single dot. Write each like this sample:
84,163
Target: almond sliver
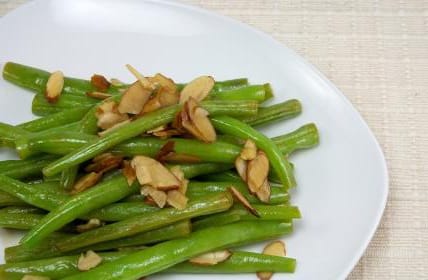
54,86
211,258
177,199
88,260
198,88
257,171
134,99
241,198
143,80
249,151
276,248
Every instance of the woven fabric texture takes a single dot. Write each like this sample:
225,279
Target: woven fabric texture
376,52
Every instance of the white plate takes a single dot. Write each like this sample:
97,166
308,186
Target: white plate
342,184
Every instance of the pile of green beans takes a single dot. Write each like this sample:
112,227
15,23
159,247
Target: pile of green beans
132,233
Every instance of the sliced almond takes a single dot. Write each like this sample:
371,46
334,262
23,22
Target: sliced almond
199,88
159,197
151,105
157,129
107,162
165,150
241,198
276,248
143,80
153,173
264,192
257,171
100,82
167,84
98,95
34,277
163,134
113,128
128,172
183,158
241,167
86,182
177,199
91,224
211,258
195,120
249,151
179,174
108,115
88,261
54,86
134,99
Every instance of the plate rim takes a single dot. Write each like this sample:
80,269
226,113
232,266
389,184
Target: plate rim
315,73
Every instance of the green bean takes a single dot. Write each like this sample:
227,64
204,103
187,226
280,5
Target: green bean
121,211
55,120
100,195
198,189
238,262
13,218
10,200
302,138
237,128
252,92
230,84
284,110
35,80
216,220
43,196
9,133
19,169
149,221
197,169
177,230
68,177
170,253
41,107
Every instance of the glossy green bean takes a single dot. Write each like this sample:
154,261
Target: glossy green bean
279,163
281,111
19,169
304,137
196,169
41,107
121,211
55,120
170,253
149,221
98,196
238,262
251,92
19,217
9,133
10,200
230,84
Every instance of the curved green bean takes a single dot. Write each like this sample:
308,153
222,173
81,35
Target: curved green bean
281,111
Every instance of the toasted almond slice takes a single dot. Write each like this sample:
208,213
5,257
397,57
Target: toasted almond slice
241,198
88,260
257,171
163,134
110,119
54,86
106,106
249,151
143,80
87,181
179,174
91,224
199,88
104,162
276,248
264,192
100,82
241,167
176,199
151,105
183,158
98,95
167,84
165,150
157,129
211,258
134,99
195,120
34,277
128,172
113,128
153,173
159,197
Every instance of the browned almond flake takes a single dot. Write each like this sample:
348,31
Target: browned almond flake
110,119
34,277
107,162
167,84
183,158
159,197
134,99
241,167
275,248
195,120
113,128
153,173
164,134
179,174
86,182
263,194
91,224
98,95
100,82
152,105
54,86
257,171
249,151
165,150
198,88
88,260
177,199
211,258
241,198
145,82
128,172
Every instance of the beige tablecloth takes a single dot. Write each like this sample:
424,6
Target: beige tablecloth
376,52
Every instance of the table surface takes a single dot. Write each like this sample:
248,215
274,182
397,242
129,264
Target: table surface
376,52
